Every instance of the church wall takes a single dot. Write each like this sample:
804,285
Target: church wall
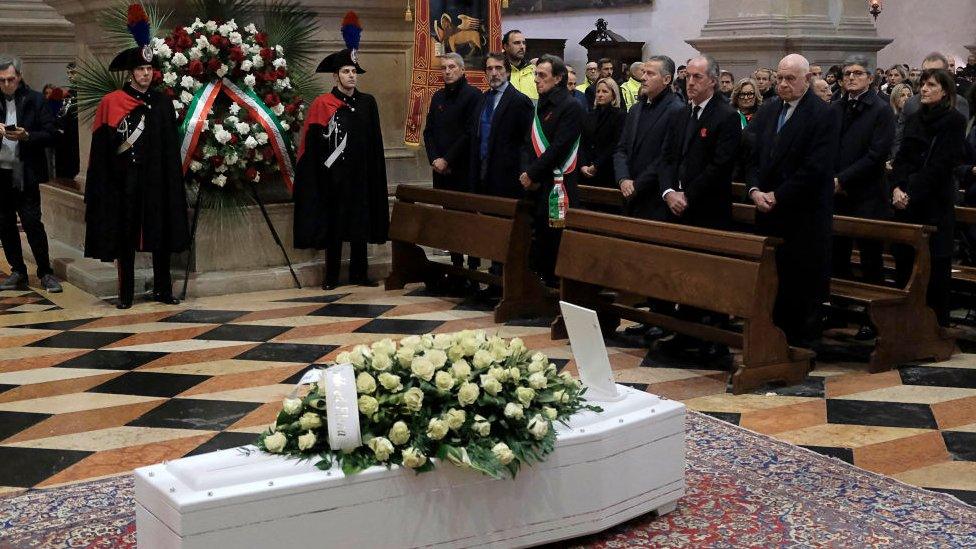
921,27
664,26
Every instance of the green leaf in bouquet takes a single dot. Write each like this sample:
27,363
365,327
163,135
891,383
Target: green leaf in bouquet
223,10
326,461
94,81
292,26
113,21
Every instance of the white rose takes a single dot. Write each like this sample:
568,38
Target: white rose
250,80
413,399
381,447
262,138
455,353
481,426
280,50
413,458
186,82
482,359
284,125
292,406
399,434
384,346
243,128
538,426
177,105
461,369
251,29
437,357
468,394
567,378
455,418
514,373
368,405
525,395
516,345
444,380
186,96
549,412
560,396
195,166
503,453
221,169
275,443
442,341
235,38
538,380
356,357
381,361
422,368
309,421
469,344
501,374
194,53
278,109
410,341
222,70
203,43
437,429
389,381
220,180
250,142
514,410
254,49
405,356
491,385
169,78
306,441
179,59
211,26
427,341
365,383
257,61
279,63
246,66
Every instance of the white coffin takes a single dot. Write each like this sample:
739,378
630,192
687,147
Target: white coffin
607,468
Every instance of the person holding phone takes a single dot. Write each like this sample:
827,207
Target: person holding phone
26,129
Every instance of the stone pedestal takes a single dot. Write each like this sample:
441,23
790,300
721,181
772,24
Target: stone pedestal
42,38
748,34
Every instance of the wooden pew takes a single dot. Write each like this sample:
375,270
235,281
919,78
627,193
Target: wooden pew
492,228
726,272
964,276
906,326
601,199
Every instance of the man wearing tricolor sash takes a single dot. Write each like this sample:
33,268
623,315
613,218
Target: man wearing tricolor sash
134,194
340,180
549,161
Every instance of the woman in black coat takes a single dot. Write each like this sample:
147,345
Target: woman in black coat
924,192
601,129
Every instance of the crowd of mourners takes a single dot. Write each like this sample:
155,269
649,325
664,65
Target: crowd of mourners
856,140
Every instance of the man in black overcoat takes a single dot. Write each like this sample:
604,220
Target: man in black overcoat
791,184
66,155
549,155
696,182
340,180
447,137
134,193
501,122
867,132
637,162
26,129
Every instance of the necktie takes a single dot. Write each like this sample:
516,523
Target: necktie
695,111
486,122
782,117
692,127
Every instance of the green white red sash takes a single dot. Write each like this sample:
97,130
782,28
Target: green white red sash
200,108
558,198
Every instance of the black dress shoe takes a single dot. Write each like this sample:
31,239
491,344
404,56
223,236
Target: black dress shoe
330,285
366,282
165,298
866,333
123,305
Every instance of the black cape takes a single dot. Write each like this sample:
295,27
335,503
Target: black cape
161,195
347,201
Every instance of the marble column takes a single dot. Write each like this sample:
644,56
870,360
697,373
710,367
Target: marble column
747,34
42,38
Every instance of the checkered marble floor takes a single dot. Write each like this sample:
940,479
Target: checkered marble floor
87,391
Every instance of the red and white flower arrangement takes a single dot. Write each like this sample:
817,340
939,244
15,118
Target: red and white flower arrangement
231,89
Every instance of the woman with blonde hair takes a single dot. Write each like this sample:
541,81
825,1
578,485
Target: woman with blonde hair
746,99
900,94
601,130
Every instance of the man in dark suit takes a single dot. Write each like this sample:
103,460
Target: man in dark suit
867,131
446,138
549,161
637,160
696,182
791,184
498,129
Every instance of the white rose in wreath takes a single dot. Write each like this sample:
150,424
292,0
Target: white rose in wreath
292,406
491,385
278,110
220,180
444,380
250,80
481,426
413,458
538,380
413,399
390,382
455,418
437,429
306,441
170,78
461,369
194,53
186,96
368,405
514,410
437,357
246,66
275,443
250,142
243,128
179,59
364,382
380,362
309,421
538,426
503,453
381,447
468,394
399,433
422,368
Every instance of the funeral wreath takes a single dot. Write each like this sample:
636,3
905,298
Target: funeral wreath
476,401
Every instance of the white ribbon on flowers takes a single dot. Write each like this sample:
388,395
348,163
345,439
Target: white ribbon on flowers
342,407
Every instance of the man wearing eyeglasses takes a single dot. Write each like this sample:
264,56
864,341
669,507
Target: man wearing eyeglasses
26,128
867,131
